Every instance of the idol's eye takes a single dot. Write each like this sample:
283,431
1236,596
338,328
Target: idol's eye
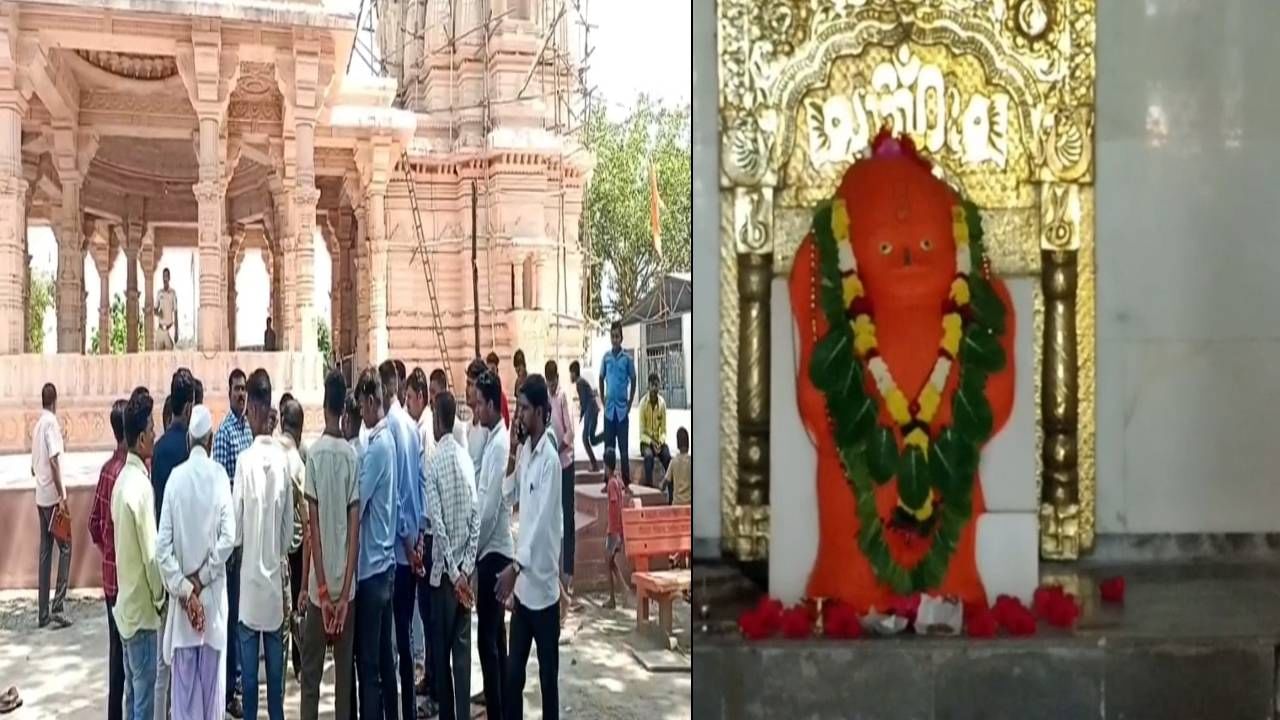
926,245
886,248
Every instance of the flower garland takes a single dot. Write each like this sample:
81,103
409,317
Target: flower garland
972,324
914,416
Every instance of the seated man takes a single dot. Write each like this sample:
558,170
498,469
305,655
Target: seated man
653,431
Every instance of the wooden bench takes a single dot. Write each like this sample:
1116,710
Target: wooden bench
650,532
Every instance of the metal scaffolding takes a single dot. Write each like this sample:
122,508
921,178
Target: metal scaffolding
394,39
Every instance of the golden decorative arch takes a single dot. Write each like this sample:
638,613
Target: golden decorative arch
1000,93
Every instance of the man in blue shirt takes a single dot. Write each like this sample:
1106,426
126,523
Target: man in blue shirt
233,437
411,523
375,576
617,394
170,451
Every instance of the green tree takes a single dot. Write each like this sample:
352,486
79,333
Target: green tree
323,341
39,300
617,215
119,331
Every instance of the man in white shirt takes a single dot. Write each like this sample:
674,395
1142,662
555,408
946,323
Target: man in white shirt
167,312
534,577
420,397
51,498
495,546
451,502
197,535
262,496
477,434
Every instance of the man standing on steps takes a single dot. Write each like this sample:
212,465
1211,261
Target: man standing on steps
167,312
618,394
232,438
51,499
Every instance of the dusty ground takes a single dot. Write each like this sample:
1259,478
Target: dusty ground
63,673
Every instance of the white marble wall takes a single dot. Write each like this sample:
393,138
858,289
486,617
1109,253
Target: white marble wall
705,379
1188,171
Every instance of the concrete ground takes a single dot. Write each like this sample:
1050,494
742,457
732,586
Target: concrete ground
63,673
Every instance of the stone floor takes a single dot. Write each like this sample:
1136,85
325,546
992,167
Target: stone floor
1191,641
63,673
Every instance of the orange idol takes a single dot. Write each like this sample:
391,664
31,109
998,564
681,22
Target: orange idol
906,371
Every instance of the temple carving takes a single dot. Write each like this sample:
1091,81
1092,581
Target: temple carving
132,128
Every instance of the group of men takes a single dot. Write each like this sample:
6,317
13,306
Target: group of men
221,547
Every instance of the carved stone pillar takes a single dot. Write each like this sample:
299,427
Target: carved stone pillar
285,273
132,247
26,300
377,264
276,265
13,245
235,256
150,256
70,282
517,283
212,313
305,199
329,232
360,339
100,249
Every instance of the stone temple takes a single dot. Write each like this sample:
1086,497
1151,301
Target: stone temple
132,127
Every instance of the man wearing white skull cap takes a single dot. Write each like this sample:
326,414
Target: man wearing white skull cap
197,535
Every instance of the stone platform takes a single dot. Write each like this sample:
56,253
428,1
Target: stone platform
88,384
1191,641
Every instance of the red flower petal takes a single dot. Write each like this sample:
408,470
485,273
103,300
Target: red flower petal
1112,590
796,623
982,624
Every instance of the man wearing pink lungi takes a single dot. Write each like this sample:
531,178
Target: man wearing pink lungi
197,535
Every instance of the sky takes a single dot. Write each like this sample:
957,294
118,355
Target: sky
638,48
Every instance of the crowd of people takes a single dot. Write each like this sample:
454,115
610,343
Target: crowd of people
220,546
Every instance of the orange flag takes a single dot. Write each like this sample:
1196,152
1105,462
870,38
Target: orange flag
655,204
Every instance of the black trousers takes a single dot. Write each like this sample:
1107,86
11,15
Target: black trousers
528,627
590,419
115,672
491,631
233,621
616,434
375,651
47,541
451,637
566,505
652,455
412,592
294,627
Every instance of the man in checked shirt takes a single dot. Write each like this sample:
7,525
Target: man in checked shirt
232,438
450,480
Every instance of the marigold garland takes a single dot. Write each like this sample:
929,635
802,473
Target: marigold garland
928,468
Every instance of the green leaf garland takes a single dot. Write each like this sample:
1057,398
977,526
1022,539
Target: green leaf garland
869,451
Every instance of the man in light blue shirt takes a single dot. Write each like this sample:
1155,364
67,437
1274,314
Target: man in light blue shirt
411,524
618,394
375,654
